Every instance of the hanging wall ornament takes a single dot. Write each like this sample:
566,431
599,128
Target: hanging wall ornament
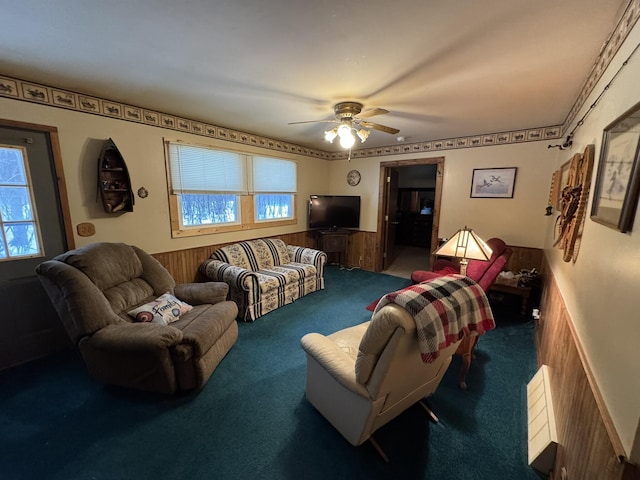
573,202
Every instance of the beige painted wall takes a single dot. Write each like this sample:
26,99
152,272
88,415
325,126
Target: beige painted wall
519,221
601,288
81,138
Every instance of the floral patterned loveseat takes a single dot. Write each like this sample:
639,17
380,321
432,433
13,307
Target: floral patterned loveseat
265,274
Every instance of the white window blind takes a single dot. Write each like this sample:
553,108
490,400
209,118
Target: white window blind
273,175
196,169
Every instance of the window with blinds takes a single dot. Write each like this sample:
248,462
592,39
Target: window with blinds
207,183
210,187
274,185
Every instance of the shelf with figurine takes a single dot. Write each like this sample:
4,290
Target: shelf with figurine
114,183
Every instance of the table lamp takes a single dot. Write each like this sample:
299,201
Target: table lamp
466,245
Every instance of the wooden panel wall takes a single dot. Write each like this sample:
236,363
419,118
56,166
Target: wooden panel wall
362,252
183,264
585,447
524,258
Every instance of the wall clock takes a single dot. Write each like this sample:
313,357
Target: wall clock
353,177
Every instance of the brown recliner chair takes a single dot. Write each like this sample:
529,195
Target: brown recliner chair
94,287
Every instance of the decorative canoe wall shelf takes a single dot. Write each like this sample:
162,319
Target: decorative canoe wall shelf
114,183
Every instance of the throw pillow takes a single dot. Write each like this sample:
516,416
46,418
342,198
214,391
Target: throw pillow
163,310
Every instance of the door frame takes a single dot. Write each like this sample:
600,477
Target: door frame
381,228
54,141
389,211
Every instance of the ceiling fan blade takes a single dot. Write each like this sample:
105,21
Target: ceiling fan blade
313,121
382,128
372,112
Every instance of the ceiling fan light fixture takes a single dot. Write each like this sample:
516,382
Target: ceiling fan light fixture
363,135
351,124
346,137
330,135
344,130
347,141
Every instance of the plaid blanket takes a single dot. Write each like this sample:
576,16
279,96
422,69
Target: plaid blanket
445,309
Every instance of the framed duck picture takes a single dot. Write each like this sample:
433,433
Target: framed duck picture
618,181
493,182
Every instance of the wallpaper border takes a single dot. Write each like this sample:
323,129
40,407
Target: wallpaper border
33,92
609,49
28,91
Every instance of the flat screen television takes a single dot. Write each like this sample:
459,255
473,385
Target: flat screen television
333,212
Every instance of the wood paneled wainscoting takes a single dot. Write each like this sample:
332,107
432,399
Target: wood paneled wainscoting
589,447
183,264
524,258
362,252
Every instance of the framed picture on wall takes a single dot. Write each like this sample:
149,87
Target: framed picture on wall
618,181
493,182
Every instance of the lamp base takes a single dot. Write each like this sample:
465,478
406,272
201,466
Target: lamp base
463,266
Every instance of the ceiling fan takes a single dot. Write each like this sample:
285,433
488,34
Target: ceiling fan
349,116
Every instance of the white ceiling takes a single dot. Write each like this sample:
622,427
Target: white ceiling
442,68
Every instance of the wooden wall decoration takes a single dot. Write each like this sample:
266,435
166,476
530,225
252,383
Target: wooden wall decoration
114,183
554,192
573,202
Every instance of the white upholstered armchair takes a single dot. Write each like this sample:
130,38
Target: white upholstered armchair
362,377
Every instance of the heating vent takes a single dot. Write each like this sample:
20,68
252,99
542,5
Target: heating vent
543,437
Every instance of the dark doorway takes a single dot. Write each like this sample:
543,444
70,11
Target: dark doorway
411,231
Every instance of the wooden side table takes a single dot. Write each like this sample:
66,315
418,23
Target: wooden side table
522,292
334,241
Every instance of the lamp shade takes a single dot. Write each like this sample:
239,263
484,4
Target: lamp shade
467,245
330,135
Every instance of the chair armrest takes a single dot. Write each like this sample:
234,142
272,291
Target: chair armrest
307,255
135,337
201,293
337,363
236,277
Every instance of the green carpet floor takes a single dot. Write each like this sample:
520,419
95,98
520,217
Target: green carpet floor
252,421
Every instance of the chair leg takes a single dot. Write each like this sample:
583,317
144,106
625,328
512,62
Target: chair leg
432,415
378,448
466,350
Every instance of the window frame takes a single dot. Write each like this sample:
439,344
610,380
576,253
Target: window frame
34,213
246,206
255,200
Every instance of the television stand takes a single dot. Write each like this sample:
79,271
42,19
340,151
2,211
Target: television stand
334,241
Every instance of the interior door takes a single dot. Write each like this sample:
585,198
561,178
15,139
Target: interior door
390,220
30,327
